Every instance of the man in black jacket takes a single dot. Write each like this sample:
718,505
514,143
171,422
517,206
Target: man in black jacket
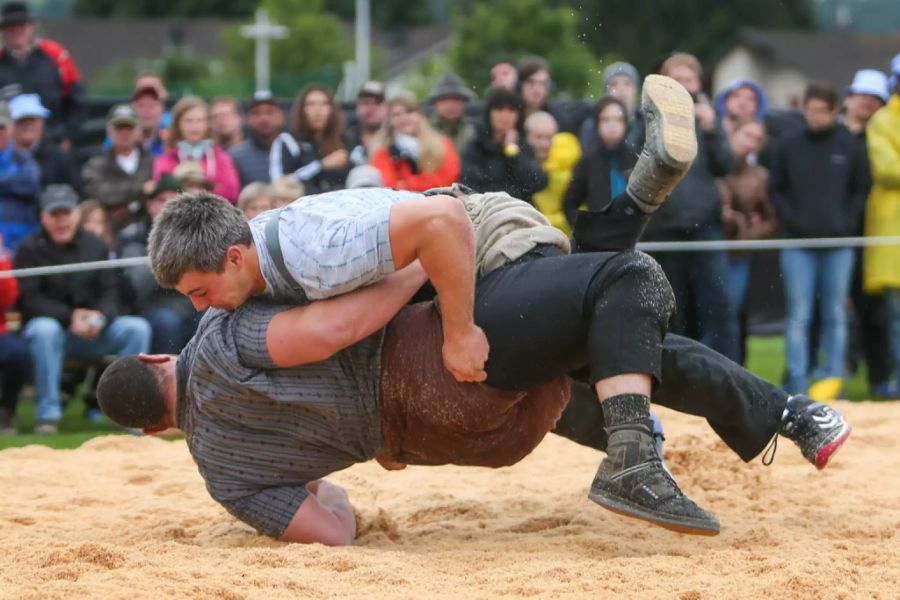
499,158
33,65
818,187
694,213
269,152
69,315
116,178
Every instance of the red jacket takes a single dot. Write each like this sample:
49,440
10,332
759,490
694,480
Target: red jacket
9,289
398,174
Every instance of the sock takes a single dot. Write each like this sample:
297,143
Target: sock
626,409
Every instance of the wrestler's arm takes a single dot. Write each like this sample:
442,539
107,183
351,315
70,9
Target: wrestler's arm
315,332
324,517
437,231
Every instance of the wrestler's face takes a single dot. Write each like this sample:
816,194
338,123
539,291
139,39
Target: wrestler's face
225,290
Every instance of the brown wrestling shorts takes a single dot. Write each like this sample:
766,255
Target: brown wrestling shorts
429,418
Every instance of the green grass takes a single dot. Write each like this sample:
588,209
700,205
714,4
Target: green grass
74,429
765,358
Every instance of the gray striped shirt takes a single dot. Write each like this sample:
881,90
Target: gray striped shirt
257,433
332,243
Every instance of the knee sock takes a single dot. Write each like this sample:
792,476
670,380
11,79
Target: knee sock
626,409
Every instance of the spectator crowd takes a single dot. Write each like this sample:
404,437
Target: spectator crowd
835,174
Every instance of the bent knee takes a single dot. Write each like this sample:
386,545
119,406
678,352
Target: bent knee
647,282
43,328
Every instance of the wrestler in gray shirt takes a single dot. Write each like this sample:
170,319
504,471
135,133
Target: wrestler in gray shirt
259,434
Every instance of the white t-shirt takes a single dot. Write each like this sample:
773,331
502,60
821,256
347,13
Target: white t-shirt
129,163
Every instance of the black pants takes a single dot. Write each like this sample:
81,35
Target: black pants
871,315
15,368
743,409
548,316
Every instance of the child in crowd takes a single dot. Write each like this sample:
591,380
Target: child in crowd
255,199
93,219
285,190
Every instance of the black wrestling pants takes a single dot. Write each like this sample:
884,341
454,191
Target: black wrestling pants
743,409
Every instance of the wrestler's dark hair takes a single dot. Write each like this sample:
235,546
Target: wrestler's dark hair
131,393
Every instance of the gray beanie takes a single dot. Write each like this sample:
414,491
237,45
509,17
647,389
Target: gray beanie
621,68
450,85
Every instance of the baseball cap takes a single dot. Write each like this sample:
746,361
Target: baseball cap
122,114
371,89
263,97
871,83
58,195
146,90
14,13
25,106
166,183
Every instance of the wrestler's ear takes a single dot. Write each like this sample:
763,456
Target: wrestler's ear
154,359
235,255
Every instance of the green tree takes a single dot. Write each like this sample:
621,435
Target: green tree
486,30
387,14
644,32
315,48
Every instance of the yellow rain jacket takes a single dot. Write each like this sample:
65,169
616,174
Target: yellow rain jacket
881,264
565,152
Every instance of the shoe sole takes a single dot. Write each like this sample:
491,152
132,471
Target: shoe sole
627,509
831,448
674,107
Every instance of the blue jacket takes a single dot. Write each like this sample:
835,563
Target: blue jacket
20,188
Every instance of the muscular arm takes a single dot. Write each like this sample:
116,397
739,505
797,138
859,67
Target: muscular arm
315,332
437,231
324,517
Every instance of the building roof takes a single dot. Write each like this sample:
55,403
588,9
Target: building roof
95,44
833,57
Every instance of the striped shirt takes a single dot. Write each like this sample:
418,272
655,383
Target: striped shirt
332,243
259,434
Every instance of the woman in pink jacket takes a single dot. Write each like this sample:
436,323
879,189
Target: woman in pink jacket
190,140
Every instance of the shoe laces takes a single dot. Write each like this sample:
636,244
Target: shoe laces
767,459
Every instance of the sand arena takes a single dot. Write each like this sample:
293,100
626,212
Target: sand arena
128,517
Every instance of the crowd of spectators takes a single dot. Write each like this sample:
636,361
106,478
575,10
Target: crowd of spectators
746,184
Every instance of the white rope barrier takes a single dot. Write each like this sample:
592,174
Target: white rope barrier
707,246
98,265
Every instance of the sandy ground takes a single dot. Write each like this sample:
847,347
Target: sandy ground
126,517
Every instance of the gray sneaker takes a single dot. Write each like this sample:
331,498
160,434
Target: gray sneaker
670,144
46,429
633,481
818,429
